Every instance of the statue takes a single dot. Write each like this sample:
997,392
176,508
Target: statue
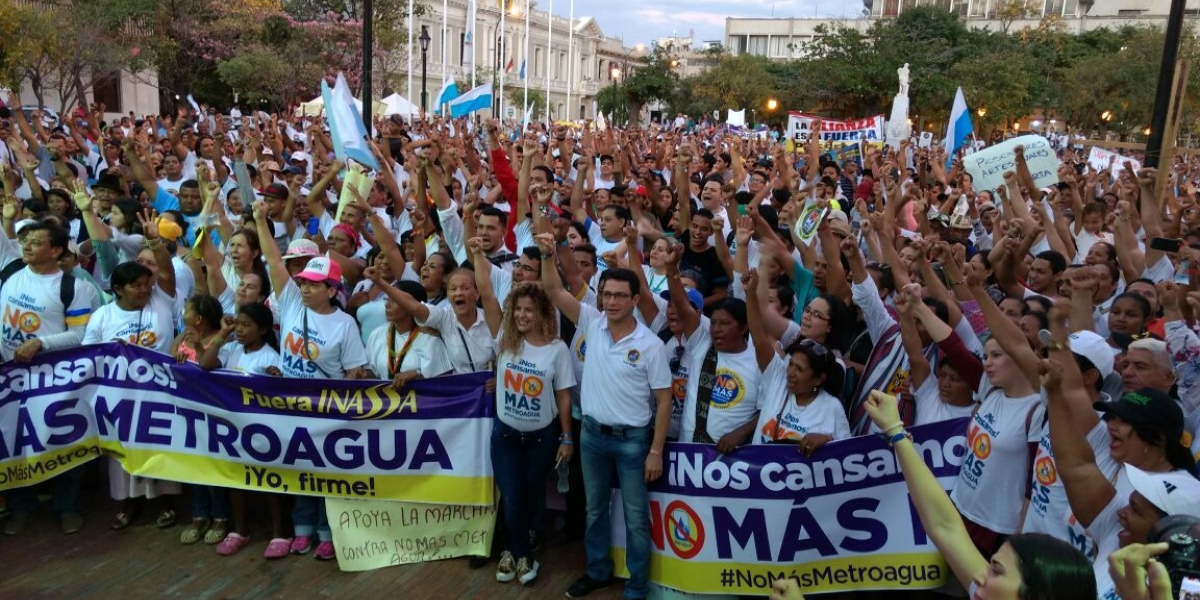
902,72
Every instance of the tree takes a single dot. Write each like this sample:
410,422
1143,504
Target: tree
654,78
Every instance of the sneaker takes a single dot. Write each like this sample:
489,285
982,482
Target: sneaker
507,571
71,522
325,551
527,571
16,523
586,585
302,544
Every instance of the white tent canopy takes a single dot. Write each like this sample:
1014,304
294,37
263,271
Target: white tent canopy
399,105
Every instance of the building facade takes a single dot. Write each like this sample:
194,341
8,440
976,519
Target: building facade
568,69
785,38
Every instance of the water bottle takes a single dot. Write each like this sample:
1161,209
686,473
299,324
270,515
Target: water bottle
564,470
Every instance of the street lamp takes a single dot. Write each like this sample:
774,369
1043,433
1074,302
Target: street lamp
772,104
424,39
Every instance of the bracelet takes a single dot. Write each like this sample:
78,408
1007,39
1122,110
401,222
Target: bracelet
883,432
655,452
566,442
903,434
958,283
152,244
566,435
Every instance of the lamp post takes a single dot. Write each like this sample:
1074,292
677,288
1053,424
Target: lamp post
368,43
424,39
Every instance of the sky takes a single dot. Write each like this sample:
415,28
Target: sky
641,21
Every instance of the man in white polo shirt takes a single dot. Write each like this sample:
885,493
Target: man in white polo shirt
626,366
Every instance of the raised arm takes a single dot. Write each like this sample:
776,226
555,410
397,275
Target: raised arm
565,301
162,258
270,252
764,342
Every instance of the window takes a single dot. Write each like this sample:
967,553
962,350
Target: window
462,48
536,68
977,8
757,45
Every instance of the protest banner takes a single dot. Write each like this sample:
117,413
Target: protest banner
372,534
810,220
1100,159
333,438
841,520
987,166
869,129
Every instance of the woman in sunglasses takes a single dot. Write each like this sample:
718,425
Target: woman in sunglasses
798,390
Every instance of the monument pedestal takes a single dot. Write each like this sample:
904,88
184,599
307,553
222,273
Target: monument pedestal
897,126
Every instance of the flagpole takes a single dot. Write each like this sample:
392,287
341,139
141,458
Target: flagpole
570,58
445,31
503,66
472,15
525,61
410,56
549,58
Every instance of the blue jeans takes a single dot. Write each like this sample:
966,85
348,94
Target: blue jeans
622,450
64,488
308,515
210,502
522,461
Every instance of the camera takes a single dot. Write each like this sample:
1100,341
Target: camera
1182,558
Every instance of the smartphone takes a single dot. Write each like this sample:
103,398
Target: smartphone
314,225
1168,245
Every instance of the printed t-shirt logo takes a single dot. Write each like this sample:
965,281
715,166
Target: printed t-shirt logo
633,356
29,322
981,445
1045,472
532,386
728,389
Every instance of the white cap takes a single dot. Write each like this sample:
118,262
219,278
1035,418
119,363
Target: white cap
1089,345
300,156
1175,493
22,224
302,248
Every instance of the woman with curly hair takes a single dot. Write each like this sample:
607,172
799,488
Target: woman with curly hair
532,429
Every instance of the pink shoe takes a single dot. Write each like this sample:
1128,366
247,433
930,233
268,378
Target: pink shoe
302,544
278,548
325,551
231,544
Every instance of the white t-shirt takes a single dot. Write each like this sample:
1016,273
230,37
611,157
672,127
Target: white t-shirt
991,484
235,358
735,389
151,327
471,349
426,352
32,307
931,409
371,315
1049,510
685,350
781,419
526,384
333,345
602,245
619,380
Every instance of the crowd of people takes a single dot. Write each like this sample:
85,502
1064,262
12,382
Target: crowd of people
1061,322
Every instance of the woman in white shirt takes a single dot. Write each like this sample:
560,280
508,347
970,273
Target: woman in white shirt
142,316
400,351
532,428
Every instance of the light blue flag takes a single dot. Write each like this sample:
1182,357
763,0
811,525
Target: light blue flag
345,124
960,127
447,95
479,98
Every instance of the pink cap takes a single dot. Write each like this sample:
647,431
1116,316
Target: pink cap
321,270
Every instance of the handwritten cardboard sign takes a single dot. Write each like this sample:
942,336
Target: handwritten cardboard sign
372,534
988,166
1100,159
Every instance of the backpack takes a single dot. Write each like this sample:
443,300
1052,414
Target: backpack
66,290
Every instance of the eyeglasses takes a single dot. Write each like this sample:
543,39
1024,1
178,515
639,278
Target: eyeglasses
808,310
615,295
677,359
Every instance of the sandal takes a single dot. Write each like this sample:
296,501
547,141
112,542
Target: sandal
124,518
216,534
193,532
166,519
231,544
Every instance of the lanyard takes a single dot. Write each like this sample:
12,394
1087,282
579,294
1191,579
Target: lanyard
395,360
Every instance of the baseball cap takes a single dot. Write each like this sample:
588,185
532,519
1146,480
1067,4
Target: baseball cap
1175,493
641,191
276,190
300,156
108,181
986,206
960,222
292,170
1147,406
1091,346
694,297
22,224
321,269
302,248
270,165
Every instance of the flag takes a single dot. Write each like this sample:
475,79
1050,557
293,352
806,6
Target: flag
448,93
736,118
960,127
508,67
528,116
346,124
196,107
522,69
476,99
